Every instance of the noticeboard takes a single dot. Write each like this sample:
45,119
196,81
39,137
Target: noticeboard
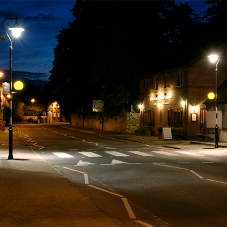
166,133
6,88
97,106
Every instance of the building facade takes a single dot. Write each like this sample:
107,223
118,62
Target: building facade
176,97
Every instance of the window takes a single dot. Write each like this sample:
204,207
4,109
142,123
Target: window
180,78
175,118
148,118
156,83
224,119
145,85
166,80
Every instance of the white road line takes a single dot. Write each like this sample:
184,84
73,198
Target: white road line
85,175
143,223
141,153
221,182
112,193
90,154
128,208
62,155
116,153
158,164
165,153
196,174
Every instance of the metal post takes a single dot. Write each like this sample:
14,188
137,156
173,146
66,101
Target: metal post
11,102
216,107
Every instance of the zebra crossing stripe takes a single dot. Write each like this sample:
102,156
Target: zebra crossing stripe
165,153
116,153
141,153
62,155
90,154
189,153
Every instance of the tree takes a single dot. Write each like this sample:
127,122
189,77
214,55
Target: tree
112,44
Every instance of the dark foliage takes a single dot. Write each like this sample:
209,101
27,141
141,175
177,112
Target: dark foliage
112,44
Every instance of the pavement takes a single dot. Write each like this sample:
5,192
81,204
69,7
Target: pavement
34,193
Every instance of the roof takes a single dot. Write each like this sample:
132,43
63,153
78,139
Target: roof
222,95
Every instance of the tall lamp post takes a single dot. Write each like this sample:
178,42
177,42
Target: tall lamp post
215,59
16,30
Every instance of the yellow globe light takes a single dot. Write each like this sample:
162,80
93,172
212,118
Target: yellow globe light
18,85
211,95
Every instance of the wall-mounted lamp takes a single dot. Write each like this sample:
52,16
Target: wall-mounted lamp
194,109
183,103
140,106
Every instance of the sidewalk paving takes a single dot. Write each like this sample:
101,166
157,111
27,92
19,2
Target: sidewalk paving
152,140
34,194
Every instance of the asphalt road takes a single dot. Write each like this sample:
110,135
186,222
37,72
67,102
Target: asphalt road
156,184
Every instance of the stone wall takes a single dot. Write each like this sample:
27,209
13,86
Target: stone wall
127,123
133,122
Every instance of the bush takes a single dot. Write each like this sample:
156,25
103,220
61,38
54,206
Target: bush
142,128
174,130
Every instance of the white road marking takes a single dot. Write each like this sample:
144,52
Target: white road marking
128,208
221,182
114,161
165,153
85,175
196,174
141,153
189,153
116,153
112,193
143,223
83,163
90,154
62,155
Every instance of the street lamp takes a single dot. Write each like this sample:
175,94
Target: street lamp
16,30
215,59
32,101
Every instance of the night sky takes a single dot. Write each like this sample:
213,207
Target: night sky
42,21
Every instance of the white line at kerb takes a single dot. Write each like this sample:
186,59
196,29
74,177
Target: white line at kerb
85,175
143,223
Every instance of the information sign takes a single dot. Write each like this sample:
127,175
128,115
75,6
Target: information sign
166,133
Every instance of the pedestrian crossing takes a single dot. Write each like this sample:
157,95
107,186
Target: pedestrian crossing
94,154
